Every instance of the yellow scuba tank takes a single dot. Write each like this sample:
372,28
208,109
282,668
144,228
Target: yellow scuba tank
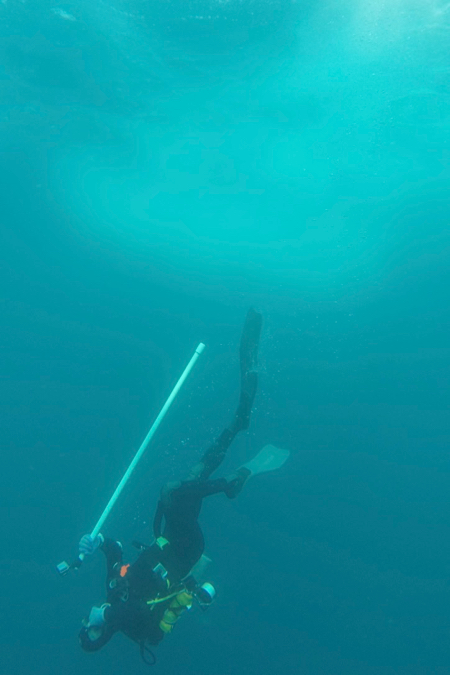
180,603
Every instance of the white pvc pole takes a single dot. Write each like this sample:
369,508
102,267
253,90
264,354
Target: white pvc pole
145,443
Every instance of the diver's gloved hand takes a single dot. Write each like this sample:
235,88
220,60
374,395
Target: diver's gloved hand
97,615
88,546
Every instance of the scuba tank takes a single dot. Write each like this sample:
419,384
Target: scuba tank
179,604
183,601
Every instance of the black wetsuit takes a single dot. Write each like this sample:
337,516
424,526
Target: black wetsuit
175,522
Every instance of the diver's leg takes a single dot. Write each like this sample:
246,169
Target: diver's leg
179,508
215,454
198,486
213,457
180,503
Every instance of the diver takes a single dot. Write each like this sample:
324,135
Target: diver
145,599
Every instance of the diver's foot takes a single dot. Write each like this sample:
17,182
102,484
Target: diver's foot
236,482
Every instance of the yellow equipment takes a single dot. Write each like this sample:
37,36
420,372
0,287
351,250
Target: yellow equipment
180,603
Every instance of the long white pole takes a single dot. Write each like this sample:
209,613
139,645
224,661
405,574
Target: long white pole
145,443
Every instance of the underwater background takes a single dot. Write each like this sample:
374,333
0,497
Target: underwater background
164,166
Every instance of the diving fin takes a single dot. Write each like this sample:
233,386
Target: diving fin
269,458
200,567
248,353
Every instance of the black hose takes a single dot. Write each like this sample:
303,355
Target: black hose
144,651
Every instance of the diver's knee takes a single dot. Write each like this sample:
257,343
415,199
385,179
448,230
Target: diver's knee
167,490
196,471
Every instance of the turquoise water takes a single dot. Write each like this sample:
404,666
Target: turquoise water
165,165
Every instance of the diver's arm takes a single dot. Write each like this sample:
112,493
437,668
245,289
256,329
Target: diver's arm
112,551
91,642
